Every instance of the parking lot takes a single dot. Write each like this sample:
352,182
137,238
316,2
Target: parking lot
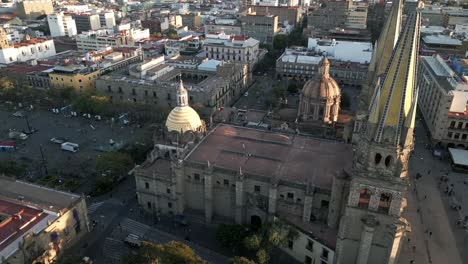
87,133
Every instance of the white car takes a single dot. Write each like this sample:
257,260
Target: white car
246,94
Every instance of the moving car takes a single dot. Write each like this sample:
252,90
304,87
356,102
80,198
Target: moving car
68,146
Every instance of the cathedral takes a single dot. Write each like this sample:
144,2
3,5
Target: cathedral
345,200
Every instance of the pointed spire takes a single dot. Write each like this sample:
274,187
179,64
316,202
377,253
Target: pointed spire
325,69
394,99
382,51
182,95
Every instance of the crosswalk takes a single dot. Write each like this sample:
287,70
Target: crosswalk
114,249
93,207
134,227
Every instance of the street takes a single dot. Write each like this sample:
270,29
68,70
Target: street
435,237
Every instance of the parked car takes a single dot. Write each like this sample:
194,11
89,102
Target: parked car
18,114
17,135
68,146
181,220
133,240
59,140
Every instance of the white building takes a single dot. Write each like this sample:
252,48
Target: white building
100,39
360,52
231,48
442,99
61,25
31,49
107,19
265,2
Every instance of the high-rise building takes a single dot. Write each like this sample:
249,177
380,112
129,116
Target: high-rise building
86,21
107,19
31,9
261,28
61,24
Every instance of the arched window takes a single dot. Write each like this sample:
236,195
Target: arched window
378,158
364,198
388,160
384,203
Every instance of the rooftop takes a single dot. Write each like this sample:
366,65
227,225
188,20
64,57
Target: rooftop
292,158
442,39
35,195
360,52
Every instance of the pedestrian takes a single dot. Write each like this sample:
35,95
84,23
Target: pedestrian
409,239
412,261
430,233
425,197
419,210
414,248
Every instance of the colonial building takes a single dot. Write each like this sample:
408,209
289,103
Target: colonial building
38,223
345,201
232,48
443,101
28,49
320,98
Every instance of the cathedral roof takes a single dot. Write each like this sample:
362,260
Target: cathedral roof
323,87
183,118
393,104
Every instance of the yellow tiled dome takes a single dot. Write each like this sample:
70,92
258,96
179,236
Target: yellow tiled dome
183,118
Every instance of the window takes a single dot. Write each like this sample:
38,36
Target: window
457,135
133,92
290,244
364,198
146,93
384,203
109,88
168,96
149,205
388,161
290,195
154,94
324,204
120,89
257,188
452,124
79,80
168,190
464,136
310,245
169,205
449,134
225,182
196,176
378,158
308,260
460,125
146,185
324,254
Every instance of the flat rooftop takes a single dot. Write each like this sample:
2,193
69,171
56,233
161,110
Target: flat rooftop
294,158
35,195
18,220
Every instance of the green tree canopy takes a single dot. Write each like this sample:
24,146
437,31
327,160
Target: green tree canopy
114,163
280,41
173,252
231,236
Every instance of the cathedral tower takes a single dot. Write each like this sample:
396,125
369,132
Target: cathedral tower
380,58
372,228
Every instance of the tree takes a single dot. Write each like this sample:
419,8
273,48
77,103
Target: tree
173,252
240,260
292,88
262,256
280,42
114,164
69,259
90,104
345,101
231,236
5,84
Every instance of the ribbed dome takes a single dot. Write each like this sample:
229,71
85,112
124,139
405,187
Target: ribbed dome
323,87
182,119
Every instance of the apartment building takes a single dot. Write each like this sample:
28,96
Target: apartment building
86,21
442,100
286,14
356,16
100,39
262,28
61,25
107,19
31,9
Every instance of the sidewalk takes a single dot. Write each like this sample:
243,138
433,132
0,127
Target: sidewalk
434,237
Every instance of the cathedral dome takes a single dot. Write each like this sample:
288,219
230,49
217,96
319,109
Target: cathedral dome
183,118
324,87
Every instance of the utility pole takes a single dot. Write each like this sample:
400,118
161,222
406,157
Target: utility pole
27,124
44,163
